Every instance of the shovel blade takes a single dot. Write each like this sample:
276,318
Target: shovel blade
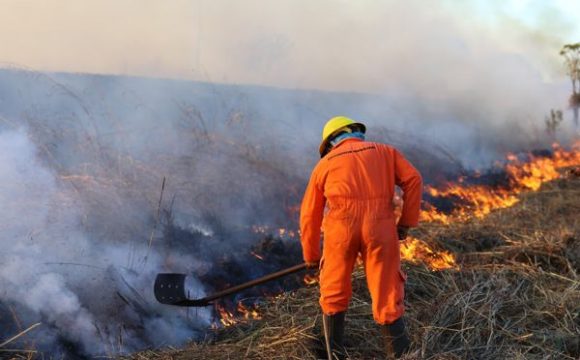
170,288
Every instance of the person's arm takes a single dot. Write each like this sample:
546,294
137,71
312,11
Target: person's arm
410,181
311,213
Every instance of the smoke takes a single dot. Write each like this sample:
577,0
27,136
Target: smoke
489,70
365,46
102,191
55,273
86,223
32,191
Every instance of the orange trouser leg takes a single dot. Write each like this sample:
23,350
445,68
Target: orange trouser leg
380,250
340,251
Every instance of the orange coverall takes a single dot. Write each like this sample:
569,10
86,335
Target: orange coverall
356,182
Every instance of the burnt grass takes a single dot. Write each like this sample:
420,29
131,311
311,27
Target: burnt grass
514,295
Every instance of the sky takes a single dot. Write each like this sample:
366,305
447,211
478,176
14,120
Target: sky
325,44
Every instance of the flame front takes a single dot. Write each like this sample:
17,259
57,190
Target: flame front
479,200
475,201
531,175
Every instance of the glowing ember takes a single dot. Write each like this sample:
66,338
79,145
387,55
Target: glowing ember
415,251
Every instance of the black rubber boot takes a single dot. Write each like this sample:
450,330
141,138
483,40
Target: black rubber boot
333,326
396,340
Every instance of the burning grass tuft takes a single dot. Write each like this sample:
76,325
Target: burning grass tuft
515,293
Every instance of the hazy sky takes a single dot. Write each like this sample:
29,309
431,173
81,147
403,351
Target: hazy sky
325,44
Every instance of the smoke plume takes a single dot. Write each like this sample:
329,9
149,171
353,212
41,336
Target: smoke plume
108,180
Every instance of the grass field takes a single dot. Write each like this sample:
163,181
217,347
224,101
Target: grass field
514,294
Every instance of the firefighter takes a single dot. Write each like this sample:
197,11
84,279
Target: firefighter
355,182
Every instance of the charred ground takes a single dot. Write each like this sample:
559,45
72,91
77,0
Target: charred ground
514,294
112,180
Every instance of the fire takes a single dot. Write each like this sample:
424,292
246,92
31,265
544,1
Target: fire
242,313
531,175
431,214
226,317
475,201
480,200
412,250
248,314
415,251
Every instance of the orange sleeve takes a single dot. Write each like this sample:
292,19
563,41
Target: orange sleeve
311,213
410,181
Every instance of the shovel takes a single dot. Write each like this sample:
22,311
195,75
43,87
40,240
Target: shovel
169,288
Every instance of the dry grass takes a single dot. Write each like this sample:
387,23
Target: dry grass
516,295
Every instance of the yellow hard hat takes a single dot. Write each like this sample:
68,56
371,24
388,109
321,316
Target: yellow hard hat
334,125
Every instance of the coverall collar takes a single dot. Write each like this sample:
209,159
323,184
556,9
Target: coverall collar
347,140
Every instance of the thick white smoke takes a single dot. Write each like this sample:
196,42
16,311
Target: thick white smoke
473,67
53,273
84,225
29,199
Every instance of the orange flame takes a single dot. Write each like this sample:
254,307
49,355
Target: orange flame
226,318
531,175
415,251
480,200
248,314
241,314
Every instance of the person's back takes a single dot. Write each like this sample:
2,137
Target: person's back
362,170
355,180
